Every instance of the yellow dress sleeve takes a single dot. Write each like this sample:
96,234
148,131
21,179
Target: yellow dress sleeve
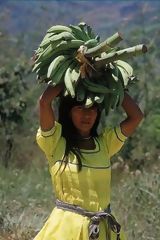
114,139
48,140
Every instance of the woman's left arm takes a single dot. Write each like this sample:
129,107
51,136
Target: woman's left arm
134,115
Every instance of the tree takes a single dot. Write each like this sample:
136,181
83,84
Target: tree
12,106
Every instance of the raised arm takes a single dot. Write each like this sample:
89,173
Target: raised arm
46,112
134,115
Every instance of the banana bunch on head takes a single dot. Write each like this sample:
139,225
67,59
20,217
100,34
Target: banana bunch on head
92,71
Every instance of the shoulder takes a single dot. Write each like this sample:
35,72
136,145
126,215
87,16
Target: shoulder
113,131
48,140
113,138
56,128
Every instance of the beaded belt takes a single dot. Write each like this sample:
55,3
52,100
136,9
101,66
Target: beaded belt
95,218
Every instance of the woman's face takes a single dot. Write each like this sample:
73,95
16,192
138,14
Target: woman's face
83,119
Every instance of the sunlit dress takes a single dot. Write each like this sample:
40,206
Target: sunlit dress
90,188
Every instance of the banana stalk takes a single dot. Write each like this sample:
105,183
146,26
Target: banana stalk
120,55
104,46
114,39
100,74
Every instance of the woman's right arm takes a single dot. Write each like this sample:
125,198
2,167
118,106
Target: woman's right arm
46,112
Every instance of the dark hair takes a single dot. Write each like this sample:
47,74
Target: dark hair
69,130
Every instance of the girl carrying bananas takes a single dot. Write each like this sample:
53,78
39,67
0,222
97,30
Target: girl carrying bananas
79,164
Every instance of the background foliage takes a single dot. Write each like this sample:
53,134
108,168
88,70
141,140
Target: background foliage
24,173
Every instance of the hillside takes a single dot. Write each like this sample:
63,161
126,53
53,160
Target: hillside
31,19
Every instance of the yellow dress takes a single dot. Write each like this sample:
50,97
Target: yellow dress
90,188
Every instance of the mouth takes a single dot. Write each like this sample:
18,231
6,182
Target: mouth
86,122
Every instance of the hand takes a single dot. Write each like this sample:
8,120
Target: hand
51,92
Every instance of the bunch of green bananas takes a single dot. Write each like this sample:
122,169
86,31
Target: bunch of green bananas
55,58
91,71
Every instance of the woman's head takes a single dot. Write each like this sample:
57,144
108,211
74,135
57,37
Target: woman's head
83,119
76,119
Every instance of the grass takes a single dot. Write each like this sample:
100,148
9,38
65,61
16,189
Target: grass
137,200
27,200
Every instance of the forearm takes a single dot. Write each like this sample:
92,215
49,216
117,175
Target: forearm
131,108
46,112
134,115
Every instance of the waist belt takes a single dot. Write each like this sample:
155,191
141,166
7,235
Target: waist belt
95,218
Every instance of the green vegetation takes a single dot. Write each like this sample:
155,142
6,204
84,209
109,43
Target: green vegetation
136,199
27,200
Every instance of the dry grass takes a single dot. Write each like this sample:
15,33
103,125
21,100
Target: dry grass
27,200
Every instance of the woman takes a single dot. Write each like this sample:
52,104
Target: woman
79,164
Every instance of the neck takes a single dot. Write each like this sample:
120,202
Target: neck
84,134
81,137
84,138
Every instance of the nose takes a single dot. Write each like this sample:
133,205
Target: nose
87,113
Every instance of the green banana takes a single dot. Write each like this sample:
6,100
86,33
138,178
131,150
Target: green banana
36,67
115,100
46,40
41,68
125,66
55,63
47,36
80,91
97,50
68,80
41,64
57,37
62,36
57,48
89,100
66,45
42,71
38,51
79,33
119,86
112,84
47,53
99,98
123,75
45,43
58,76
97,37
94,87
107,102
83,26
91,43
59,29
75,74
121,94
66,93
47,61
90,32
